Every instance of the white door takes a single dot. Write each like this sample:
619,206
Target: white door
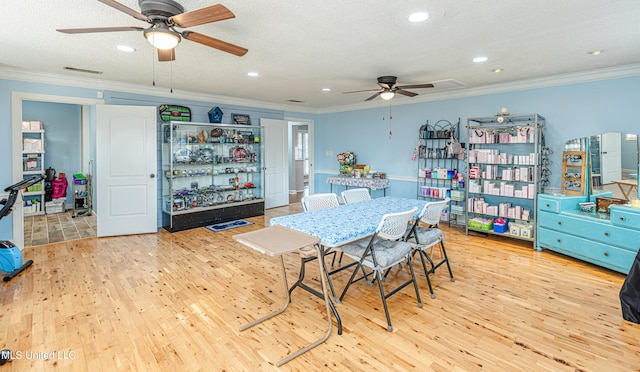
276,162
611,148
126,166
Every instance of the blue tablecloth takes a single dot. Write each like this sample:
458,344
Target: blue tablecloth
345,223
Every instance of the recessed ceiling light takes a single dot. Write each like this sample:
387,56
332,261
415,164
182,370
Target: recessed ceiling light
326,89
595,52
254,74
497,70
480,59
125,48
418,17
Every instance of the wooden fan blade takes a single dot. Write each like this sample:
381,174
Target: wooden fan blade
97,29
166,55
405,92
209,14
372,97
415,86
125,9
360,91
214,43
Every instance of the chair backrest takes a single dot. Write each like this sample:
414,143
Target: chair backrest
319,201
432,212
393,226
355,195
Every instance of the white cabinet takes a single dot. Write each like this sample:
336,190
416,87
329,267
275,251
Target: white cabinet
33,152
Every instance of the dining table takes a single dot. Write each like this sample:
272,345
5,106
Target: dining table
626,187
323,229
344,224
370,183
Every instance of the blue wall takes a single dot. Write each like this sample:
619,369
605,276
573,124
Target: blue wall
572,111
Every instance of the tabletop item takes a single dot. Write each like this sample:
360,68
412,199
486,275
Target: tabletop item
346,160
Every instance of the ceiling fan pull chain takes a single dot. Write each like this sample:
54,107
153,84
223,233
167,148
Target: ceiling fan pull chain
153,65
390,118
171,76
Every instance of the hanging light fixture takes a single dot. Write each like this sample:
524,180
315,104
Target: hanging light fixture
162,37
387,94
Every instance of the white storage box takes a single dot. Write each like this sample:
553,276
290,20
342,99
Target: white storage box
31,145
55,206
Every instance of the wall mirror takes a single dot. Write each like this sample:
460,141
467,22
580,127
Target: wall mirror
612,163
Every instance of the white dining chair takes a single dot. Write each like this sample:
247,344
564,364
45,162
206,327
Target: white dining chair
427,236
355,195
385,249
319,201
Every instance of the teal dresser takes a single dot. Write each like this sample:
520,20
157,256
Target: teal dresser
608,240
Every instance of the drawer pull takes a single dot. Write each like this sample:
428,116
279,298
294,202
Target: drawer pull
606,233
559,222
548,205
623,218
606,254
559,240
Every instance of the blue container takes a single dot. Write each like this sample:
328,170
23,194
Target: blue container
10,256
501,228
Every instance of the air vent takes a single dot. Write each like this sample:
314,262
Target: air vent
449,84
294,101
82,70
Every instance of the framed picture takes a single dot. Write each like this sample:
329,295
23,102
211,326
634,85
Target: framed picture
241,119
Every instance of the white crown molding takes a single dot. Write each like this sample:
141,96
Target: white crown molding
548,81
544,82
100,85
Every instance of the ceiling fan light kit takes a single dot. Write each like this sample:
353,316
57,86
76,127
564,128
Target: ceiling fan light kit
162,37
387,95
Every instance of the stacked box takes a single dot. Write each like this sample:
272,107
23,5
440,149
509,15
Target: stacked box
55,206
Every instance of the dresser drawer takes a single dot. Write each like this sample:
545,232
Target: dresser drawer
593,229
626,217
548,205
590,251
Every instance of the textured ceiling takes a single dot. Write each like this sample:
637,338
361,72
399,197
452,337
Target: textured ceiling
300,47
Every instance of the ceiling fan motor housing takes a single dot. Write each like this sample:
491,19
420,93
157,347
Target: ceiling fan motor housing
160,9
387,80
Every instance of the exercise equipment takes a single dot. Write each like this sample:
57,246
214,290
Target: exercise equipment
10,255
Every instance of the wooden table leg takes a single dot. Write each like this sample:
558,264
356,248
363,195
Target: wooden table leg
625,194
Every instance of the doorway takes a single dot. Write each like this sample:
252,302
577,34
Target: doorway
52,220
301,174
17,101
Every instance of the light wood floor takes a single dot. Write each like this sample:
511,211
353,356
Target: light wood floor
175,302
